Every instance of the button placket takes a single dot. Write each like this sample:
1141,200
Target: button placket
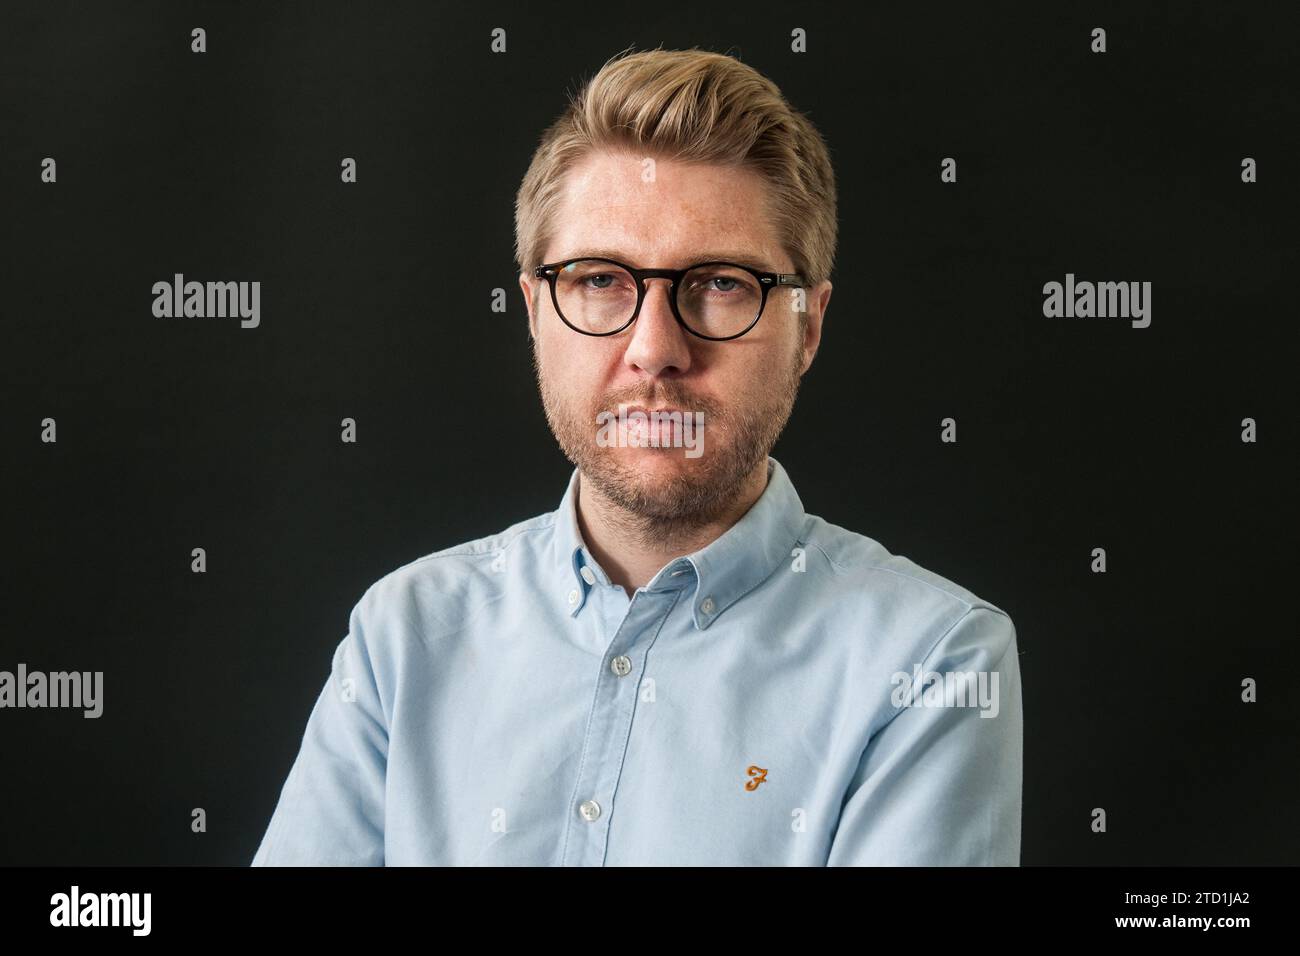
608,729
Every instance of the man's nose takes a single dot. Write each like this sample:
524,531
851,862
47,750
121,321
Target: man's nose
658,343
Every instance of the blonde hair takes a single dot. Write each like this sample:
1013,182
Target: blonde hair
690,106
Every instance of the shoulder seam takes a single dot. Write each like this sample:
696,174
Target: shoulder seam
910,577
466,551
543,522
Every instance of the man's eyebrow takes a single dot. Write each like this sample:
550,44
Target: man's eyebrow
739,258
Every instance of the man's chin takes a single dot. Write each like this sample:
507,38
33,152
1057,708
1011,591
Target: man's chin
660,464
651,473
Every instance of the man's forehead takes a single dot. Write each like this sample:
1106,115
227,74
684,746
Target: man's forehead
608,206
642,179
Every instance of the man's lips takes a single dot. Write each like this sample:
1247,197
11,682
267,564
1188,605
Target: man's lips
654,411
660,426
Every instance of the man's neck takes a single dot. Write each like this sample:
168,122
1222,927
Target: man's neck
629,556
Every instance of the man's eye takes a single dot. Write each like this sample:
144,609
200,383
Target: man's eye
708,284
599,281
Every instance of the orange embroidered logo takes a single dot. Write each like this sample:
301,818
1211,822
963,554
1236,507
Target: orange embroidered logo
759,775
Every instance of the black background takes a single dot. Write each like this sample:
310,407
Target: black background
1073,433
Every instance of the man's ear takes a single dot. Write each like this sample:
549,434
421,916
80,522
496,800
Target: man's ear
815,304
525,283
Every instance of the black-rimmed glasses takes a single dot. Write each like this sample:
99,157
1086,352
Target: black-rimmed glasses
711,300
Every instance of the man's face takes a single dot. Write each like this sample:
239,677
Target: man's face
744,387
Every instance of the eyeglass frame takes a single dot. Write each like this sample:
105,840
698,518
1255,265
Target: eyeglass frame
766,281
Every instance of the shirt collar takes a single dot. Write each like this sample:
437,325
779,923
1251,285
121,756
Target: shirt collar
724,571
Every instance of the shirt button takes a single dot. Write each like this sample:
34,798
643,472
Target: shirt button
621,665
587,575
707,605
573,596
589,809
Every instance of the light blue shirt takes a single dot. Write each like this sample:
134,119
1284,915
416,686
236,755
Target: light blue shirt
762,701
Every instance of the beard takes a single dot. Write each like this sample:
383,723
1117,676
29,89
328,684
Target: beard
699,491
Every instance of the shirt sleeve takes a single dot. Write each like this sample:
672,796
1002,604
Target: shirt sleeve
941,785
331,808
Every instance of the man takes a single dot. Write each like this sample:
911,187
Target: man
678,665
